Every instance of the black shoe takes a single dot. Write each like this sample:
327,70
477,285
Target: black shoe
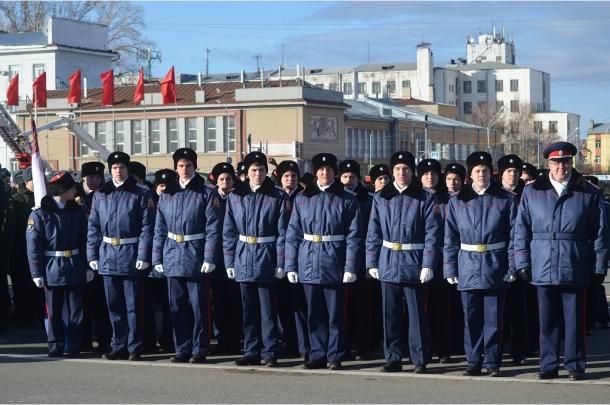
444,359
180,358
135,357
420,369
314,364
248,361
576,376
198,359
493,372
471,371
547,375
519,361
55,354
272,362
73,355
116,356
391,367
335,365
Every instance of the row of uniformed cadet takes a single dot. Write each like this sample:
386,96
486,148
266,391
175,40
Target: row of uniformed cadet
317,238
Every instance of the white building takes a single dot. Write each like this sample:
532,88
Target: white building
490,48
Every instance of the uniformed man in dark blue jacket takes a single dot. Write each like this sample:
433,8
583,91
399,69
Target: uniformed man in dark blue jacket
56,237
455,177
403,241
380,176
561,243
292,305
478,257
323,248
186,232
253,240
119,245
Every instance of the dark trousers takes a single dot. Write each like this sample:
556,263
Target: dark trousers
483,311
260,320
125,306
58,332
394,296
533,326
28,300
157,328
359,316
292,311
227,313
96,320
515,319
557,302
5,297
440,297
326,321
188,304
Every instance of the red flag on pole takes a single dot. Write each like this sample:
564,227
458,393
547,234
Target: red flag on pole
139,93
38,177
168,87
12,93
39,90
107,88
74,95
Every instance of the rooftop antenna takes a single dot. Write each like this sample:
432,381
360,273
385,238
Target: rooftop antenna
149,55
207,63
258,58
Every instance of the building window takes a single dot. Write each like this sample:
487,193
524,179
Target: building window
514,105
347,89
514,85
100,133
348,142
598,144
191,133
467,107
391,86
119,136
229,130
537,126
361,88
210,134
514,127
499,86
457,86
552,127
154,136
332,86
172,135
136,137
467,86
598,159
38,69
376,87
481,86
12,71
363,142
406,84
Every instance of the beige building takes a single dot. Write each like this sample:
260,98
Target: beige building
598,148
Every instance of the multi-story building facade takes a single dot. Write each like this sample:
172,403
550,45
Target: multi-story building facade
598,147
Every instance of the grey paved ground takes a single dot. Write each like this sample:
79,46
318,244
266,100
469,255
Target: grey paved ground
28,375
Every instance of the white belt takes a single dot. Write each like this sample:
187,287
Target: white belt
185,238
61,253
482,248
323,238
252,240
118,241
403,246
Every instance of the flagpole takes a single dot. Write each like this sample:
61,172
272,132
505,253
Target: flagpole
145,137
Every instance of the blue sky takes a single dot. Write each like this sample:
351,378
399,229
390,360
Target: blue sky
569,40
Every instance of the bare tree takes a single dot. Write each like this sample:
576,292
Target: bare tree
125,22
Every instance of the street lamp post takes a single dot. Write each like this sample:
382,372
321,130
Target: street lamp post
493,120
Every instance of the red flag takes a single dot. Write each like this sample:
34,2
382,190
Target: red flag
107,88
138,96
39,90
74,95
168,87
12,93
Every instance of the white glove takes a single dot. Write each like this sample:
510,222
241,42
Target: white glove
207,267
141,265
231,273
293,277
374,272
159,268
39,281
509,278
89,276
452,280
279,273
349,277
426,275
93,264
